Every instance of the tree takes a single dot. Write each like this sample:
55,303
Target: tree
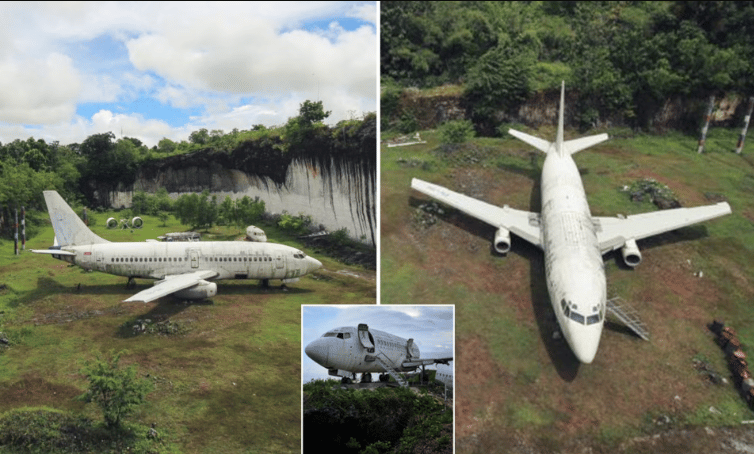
312,112
116,390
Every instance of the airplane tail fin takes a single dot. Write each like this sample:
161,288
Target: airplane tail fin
70,230
560,146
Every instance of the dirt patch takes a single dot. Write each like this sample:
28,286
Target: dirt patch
34,391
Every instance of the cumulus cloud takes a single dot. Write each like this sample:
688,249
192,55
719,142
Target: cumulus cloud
237,64
38,90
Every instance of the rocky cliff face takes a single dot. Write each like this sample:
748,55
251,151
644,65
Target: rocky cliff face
332,180
542,109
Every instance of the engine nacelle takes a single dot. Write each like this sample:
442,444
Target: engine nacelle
111,223
631,254
137,222
502,242
200,291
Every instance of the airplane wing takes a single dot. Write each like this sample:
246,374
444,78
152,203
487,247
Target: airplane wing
426,362
171,284
525,224
612,233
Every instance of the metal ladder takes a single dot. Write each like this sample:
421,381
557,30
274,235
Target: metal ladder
628,316
384,362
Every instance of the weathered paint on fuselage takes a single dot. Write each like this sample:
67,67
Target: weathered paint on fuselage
155,260
348,354
574,267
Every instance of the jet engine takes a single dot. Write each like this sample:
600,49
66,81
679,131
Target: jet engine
136,222
502,242
631,254
112,223
201,290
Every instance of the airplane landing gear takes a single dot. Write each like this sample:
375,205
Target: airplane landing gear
265,283
131,282
366,377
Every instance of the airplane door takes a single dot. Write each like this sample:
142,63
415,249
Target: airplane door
194,258
365,338
280,261
99,261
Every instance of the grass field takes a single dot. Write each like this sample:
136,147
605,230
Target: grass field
516,385
229,379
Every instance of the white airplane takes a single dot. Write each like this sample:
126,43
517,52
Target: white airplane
348,350
182,268
572,239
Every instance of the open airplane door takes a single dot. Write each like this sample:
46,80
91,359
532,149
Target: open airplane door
365,338
409,348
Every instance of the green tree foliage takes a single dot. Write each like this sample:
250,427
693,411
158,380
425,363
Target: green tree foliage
621,59
499,81
307,126
116,390
197,210
456,131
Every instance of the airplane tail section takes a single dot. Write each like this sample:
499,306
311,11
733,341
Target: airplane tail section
560,146
70,230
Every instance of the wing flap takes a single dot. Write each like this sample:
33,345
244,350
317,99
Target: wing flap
524,224
612,233
171,284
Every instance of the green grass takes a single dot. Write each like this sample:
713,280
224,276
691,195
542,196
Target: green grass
228,382
513,382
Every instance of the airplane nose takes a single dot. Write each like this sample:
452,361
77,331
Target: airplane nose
312,264
317,351
585,351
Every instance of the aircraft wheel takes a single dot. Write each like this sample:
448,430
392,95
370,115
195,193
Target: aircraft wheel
366,378
345,380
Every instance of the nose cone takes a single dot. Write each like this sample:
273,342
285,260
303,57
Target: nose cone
317,351
312,264
584,342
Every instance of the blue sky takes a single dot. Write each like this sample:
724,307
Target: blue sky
152,69
431,327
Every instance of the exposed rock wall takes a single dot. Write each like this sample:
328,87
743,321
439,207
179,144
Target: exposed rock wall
542,109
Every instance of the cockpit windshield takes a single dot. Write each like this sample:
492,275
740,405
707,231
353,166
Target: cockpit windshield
569,310
299,255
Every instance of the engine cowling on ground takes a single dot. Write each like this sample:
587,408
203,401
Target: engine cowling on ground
202,290
137,222
111,223
631,254
502,242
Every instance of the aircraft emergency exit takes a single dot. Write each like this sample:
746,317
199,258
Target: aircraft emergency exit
182,268
572,239
347,351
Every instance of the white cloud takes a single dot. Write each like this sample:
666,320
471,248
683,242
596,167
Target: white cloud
38,90
238,64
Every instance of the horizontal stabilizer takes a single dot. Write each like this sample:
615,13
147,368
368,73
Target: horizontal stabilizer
576,145
52,252
536,142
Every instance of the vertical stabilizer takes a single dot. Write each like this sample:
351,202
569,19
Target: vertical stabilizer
559,138
561,147
70,230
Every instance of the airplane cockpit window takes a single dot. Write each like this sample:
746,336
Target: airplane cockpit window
329,334
575,316
592,319
299,255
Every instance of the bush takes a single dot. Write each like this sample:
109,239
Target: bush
456,131
116,390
